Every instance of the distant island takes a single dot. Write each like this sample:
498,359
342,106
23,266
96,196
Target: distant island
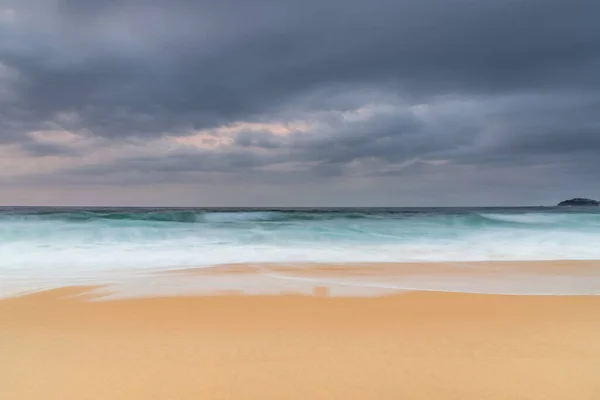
579,202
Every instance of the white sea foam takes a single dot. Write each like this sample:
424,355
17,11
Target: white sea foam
539,218
527,218
46,251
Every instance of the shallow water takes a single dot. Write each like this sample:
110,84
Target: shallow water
48,247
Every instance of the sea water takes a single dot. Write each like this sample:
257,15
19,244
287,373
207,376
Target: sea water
48,247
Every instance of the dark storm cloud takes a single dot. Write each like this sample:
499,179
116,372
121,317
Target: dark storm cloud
260,139
530,130
389,143
526,70
138,67
46,149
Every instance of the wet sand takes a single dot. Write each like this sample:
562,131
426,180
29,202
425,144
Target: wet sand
57,345
370,279
395,269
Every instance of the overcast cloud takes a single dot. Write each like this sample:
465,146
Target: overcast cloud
299,103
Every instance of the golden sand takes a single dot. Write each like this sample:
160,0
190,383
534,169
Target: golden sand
434,346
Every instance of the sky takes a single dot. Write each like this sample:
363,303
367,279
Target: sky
299,103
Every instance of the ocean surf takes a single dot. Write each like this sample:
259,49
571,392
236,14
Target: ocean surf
45,247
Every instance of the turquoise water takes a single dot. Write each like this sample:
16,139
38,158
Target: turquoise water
56,244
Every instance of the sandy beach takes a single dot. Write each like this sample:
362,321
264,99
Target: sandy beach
59,345
299,200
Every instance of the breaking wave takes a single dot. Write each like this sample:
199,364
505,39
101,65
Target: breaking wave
61,244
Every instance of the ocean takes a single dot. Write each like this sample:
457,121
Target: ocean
48,247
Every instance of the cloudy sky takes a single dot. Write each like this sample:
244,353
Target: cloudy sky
299,103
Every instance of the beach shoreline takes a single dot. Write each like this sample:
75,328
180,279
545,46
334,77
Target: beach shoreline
59,344
559,277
